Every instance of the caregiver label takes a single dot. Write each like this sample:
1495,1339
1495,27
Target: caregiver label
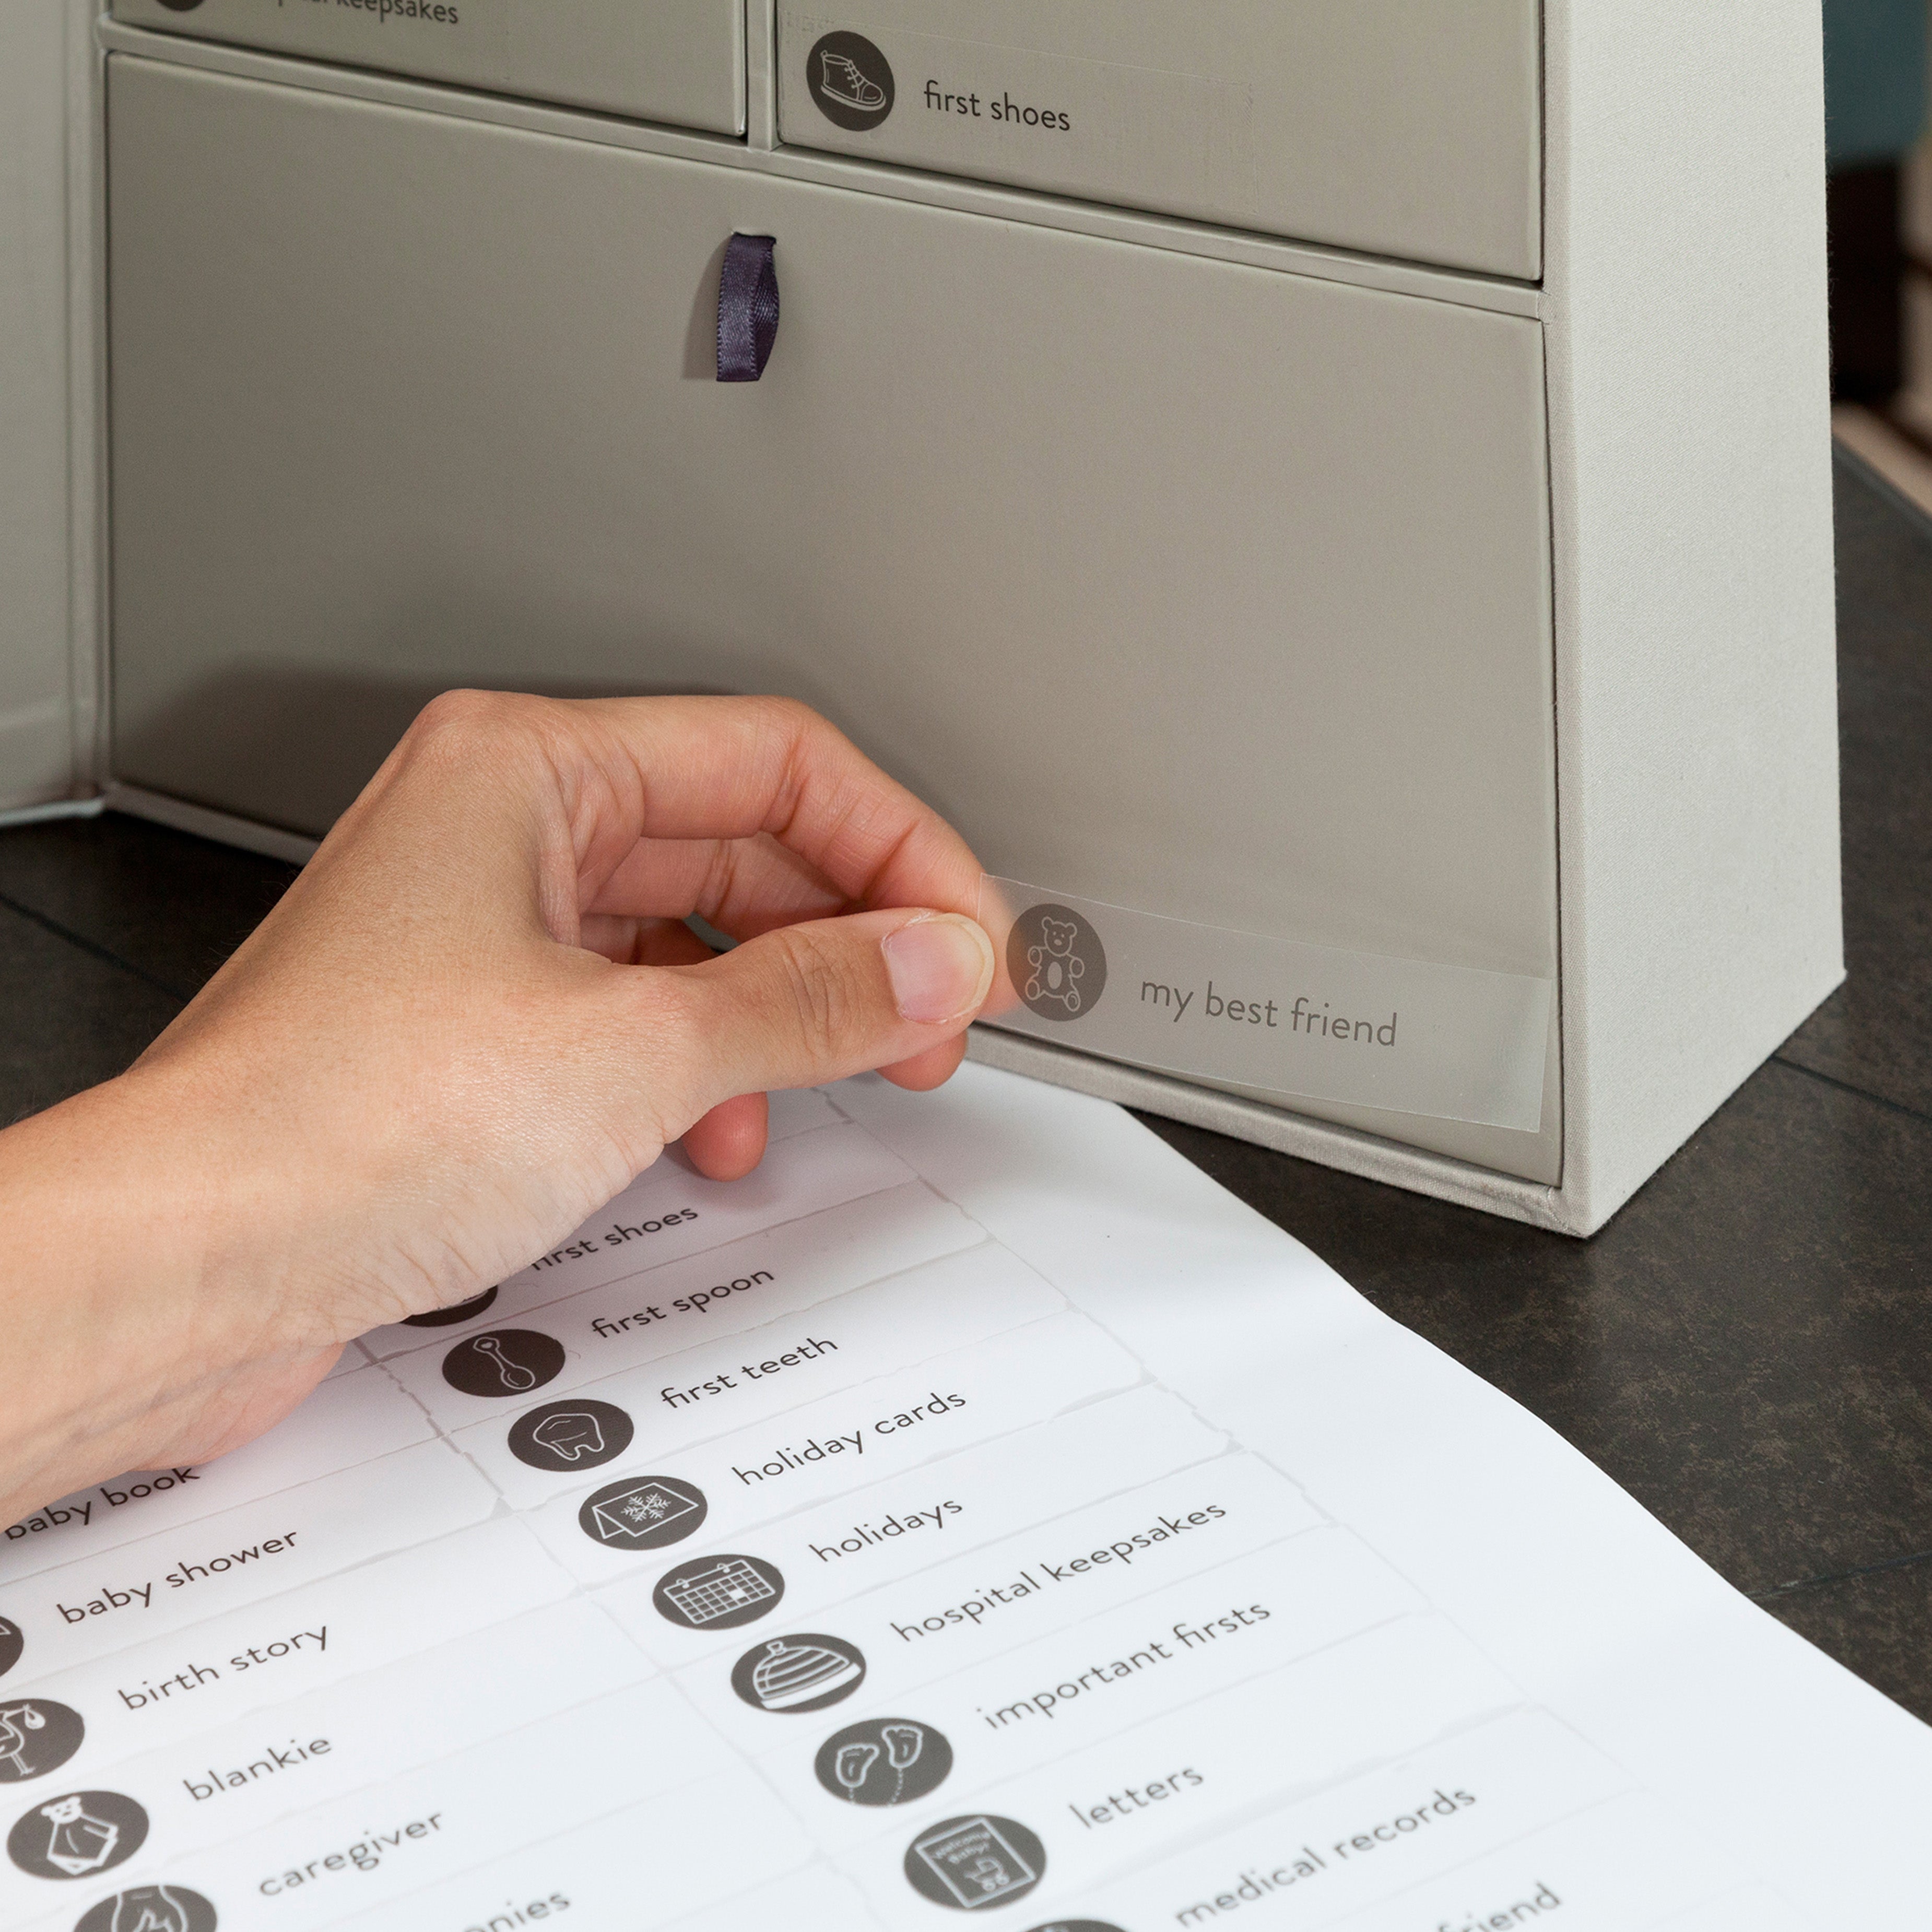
1318,1022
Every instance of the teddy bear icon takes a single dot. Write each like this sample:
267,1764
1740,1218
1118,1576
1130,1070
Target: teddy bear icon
1055,968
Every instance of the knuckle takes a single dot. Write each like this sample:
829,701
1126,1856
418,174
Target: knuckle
459,714
790,714
822,1003
457,730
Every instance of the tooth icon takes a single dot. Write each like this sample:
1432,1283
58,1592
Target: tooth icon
570,1434
840,79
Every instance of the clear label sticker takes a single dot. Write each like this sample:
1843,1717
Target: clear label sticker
1313,1022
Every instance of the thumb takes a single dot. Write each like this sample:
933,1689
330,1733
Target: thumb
826,998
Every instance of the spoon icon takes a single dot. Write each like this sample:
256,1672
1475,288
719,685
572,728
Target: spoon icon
514,1375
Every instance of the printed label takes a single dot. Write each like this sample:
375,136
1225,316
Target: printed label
1377,1698
726,1385
1312,1022
348,1419
669,1213
107,1601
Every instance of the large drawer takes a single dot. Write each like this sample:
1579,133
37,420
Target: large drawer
1406,128
681,61
1178,584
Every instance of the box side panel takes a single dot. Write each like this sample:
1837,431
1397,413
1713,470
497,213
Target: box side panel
37,709
1690,448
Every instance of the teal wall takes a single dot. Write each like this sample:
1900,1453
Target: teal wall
1875,72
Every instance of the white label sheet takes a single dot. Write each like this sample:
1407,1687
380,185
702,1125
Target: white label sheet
975,1517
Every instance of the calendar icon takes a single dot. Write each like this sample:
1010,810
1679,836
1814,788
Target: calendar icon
729,1590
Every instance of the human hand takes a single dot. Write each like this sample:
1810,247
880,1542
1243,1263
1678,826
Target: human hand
475,1016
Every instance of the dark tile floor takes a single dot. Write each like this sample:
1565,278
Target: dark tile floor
1747,1347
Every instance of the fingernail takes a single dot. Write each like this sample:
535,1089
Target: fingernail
940,966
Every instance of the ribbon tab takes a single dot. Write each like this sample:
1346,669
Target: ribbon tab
748,308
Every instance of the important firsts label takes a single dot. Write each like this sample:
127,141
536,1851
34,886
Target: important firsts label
1452,1042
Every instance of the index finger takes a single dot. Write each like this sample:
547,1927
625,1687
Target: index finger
722,769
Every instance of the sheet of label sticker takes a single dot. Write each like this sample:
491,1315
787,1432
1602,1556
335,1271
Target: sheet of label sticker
975,1515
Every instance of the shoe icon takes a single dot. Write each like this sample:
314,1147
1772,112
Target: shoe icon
840,79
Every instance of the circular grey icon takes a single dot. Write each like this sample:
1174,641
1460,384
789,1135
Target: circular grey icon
76,1834
807,1672
458,1311
850,81
503,1362
150,1908
1078,1925
642,1513
883,1761
567,1436
981,1860
37,1735
12,1643
1056,962
718,1592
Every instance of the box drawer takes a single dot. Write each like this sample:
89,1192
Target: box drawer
1182,584
681,61
1404,128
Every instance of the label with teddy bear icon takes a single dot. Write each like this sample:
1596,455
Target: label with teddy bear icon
1314,1022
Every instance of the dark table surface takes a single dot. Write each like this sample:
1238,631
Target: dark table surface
1746,1347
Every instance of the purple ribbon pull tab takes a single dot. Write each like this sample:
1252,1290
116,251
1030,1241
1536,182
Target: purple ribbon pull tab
748,308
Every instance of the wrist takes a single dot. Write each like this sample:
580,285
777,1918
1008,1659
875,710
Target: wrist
125,1296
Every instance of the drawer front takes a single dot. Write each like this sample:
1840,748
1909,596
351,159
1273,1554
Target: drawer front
1176,583
681,61
1408,127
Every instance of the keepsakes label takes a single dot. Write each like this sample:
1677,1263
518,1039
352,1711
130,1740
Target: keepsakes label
1312,1022
466,39
681,61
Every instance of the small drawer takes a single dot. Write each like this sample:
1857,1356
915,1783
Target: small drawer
682,61
1403,127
